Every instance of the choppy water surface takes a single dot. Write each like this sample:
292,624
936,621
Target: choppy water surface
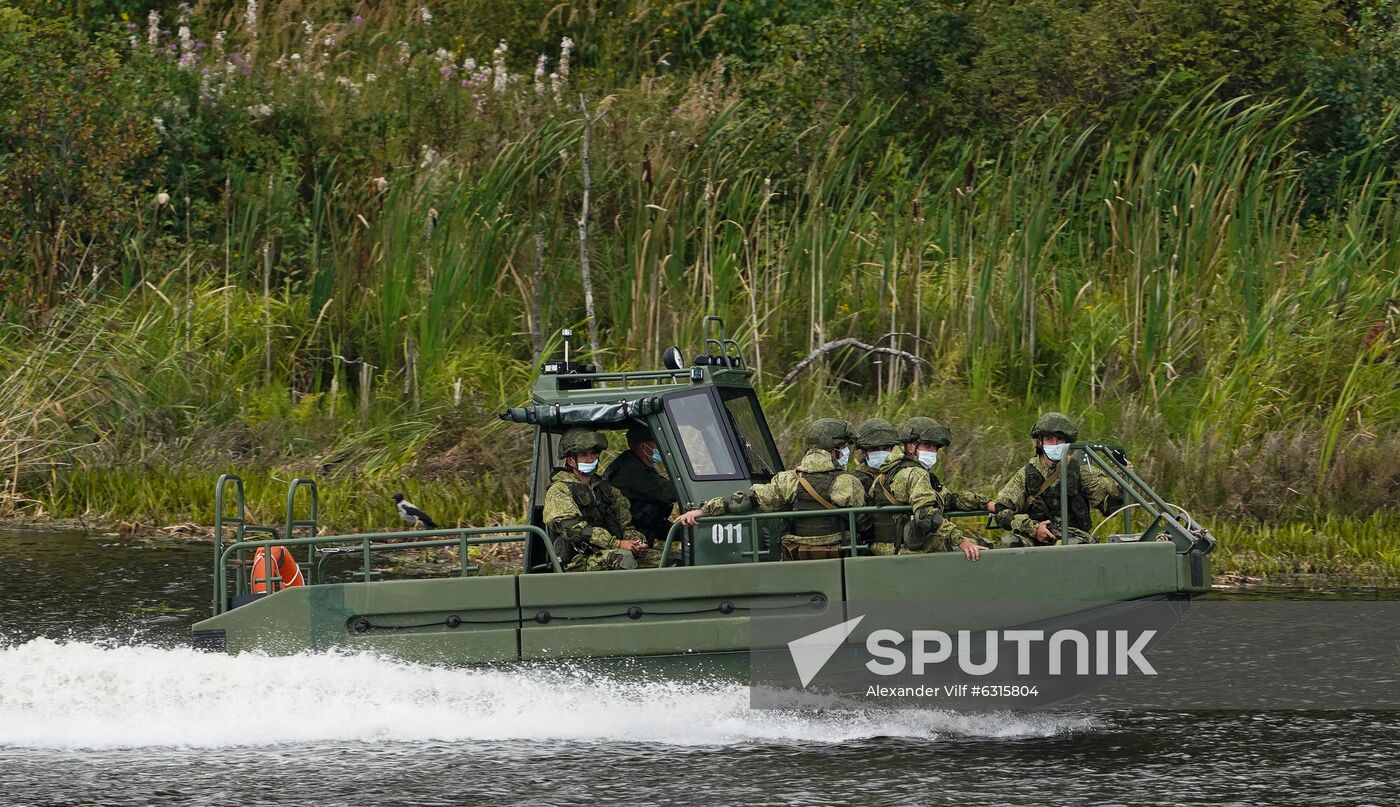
100,703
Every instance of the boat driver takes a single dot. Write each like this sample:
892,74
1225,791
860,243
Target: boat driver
589,519
638,475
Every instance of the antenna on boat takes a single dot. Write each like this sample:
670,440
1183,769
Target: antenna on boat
568,335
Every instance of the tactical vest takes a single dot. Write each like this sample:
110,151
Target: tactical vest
1046,506
822,482
596,505
888,527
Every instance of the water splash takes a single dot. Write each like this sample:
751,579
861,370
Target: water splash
79,695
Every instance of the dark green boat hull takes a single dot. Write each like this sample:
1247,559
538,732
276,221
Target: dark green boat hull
695,617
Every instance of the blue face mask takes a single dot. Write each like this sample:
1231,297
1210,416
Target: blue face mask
845,457
587,467
876,458
928,458
1055,453
656,456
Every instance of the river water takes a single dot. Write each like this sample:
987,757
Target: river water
101,702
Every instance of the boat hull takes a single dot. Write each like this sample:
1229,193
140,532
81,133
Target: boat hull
696,614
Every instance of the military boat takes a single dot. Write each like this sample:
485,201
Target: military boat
715,440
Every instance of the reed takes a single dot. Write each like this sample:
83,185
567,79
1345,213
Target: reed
1161,273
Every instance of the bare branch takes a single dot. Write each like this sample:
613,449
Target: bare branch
822,350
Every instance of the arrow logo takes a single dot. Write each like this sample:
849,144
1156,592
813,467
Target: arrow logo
811,652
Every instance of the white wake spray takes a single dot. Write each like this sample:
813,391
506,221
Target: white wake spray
78,695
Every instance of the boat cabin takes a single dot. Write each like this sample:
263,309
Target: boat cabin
705,417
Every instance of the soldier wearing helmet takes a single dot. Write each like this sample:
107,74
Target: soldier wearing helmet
589,520
906,478
819,482
1028,505
875,439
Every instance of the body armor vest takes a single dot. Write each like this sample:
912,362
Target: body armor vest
1046,506
596,505
888,527
821,482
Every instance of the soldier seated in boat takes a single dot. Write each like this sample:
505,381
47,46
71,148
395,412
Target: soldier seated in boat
1028,505
638,475
589,519
906,478
875,438
817,483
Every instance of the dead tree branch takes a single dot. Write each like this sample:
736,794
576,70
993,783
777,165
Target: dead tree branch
822,350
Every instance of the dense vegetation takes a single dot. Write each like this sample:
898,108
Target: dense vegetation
332,238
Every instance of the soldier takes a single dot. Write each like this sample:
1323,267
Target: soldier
905,478
589,520
1029,504
637,474
875,438
817,483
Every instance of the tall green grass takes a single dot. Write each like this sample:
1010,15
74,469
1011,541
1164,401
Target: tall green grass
1162,275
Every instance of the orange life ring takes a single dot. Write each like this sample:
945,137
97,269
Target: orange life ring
287,568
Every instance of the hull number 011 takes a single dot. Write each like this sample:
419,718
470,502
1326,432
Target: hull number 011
727,533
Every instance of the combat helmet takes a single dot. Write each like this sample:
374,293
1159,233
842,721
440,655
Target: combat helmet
876,432
1055,423
579,440
828,433
925,430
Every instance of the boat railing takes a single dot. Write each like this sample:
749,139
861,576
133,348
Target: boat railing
321,548
1183,530
755,553
366,545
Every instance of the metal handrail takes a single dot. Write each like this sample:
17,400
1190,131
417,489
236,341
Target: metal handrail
327,554
519,532
1183,536
240,520
293,523
849,512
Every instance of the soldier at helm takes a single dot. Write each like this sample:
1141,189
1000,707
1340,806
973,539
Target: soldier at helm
589,520
905,478
819,482
1028,505
638,475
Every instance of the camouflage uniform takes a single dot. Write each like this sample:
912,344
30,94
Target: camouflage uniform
588,519
1019,510
903,480
786,492
649,492
872,434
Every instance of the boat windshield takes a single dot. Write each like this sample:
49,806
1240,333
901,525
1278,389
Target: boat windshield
752,432
728,441
703,442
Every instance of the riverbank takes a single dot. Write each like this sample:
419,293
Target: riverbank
1331,551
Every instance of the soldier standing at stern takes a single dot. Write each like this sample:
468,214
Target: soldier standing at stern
1029,503
819,482
589,520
